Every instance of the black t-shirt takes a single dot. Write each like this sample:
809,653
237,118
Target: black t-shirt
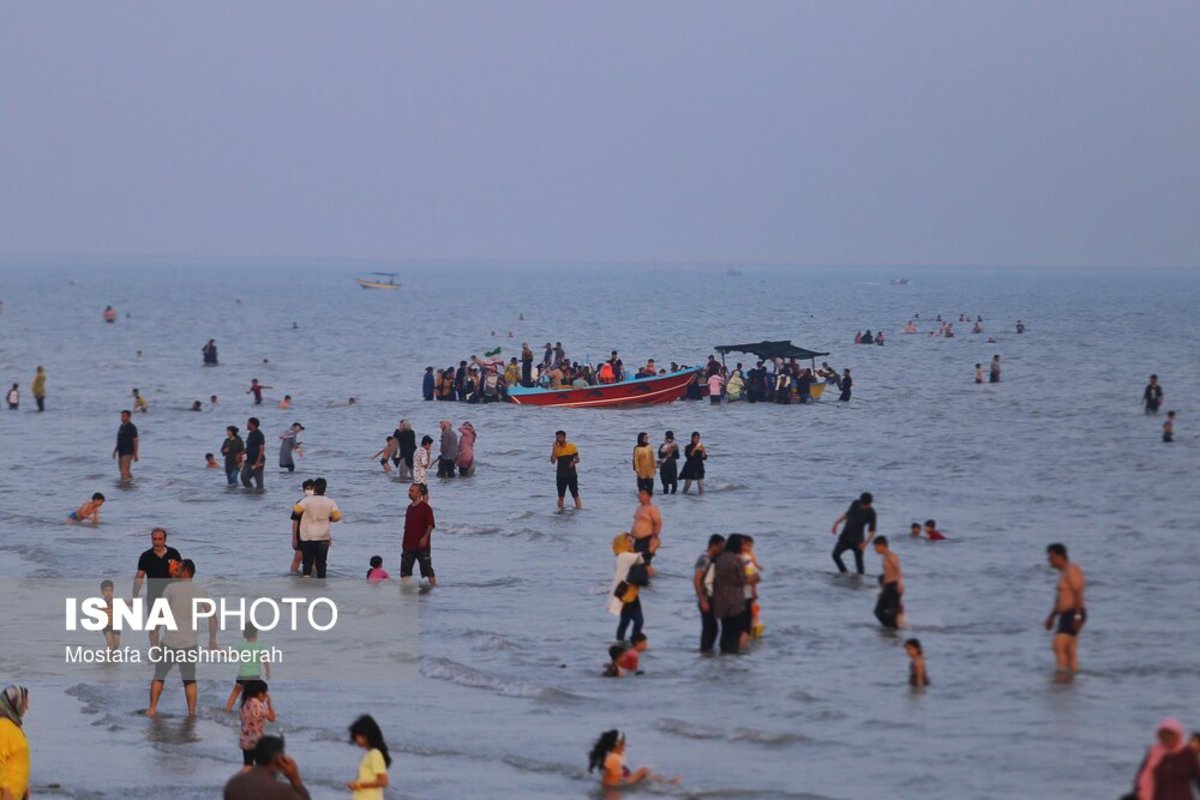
857,518
125,436
255,441
157,569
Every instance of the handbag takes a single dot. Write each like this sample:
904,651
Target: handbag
625,593
638,575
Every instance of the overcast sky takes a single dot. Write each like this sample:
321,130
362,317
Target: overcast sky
840,132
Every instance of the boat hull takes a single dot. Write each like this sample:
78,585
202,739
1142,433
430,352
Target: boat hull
641,391
375,284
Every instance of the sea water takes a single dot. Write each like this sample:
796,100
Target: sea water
505,699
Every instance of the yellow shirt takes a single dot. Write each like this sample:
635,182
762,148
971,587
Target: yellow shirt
643,461
369,770
39,385
564,450
14,759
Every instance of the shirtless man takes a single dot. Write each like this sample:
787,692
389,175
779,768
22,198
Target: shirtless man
888,610
647,525
1069,607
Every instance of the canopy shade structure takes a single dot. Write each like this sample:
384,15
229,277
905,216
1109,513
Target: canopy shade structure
780,349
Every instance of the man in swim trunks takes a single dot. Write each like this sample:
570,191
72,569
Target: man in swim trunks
1069,607
860,515
565,456
647,525
888,609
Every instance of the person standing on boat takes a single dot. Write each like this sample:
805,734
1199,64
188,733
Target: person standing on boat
668,461
644,463
1152,396
565,457
526,365
693,466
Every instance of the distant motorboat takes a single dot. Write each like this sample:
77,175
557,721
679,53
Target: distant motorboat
368,283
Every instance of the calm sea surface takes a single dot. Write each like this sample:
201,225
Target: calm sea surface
509,698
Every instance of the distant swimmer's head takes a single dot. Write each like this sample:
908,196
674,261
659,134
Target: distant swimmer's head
931,524
622,543
98,498
609,742
915,528
376,562
881,544
913,647
639,642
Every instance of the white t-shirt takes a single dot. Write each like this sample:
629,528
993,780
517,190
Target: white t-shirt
624,562
315,518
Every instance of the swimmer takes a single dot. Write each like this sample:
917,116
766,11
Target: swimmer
979,373
210,461
932,533
917,677
608,754
390,450
613,668
139,402
377,573
110,314
88,512
888,609
256,389
212,400
1069,607
286,402
1169,427
351,401
915,530
196,406
628,662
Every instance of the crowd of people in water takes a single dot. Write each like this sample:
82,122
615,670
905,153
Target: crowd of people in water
726,578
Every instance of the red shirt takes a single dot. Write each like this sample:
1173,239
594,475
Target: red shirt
935,536
628,660
417,519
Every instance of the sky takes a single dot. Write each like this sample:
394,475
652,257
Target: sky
954,133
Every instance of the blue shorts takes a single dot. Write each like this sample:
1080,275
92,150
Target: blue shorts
73,515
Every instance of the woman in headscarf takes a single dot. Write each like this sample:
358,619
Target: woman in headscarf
14,750
1170,767
466,449
408,446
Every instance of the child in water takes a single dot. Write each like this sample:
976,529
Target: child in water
372,770
916,667
613,668
390,450
257,711
932,533
88,512
112,639
251,670
1169,427
210,461
377,573
979,373
608,753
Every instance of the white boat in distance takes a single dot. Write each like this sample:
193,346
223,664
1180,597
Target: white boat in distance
390,283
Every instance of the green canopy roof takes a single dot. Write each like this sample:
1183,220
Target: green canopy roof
780,349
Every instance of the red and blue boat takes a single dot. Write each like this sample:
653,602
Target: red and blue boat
639,391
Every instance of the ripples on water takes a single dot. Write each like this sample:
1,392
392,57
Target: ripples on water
508,695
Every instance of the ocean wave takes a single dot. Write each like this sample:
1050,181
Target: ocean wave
703,732
443,669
